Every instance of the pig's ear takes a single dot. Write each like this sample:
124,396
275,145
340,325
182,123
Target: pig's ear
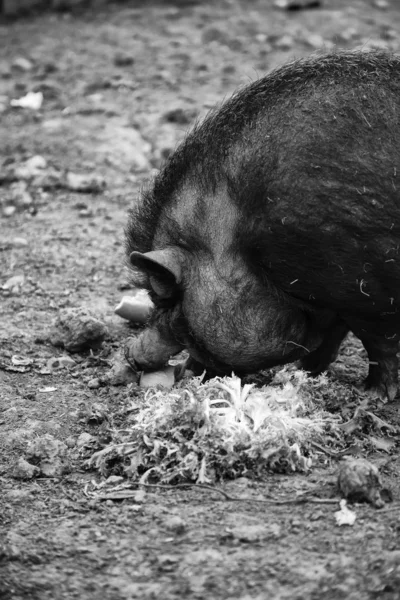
163,268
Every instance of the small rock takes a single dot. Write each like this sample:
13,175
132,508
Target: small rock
31,168
256,533
214,34
381,4
179,115
94,383
113,480
19,242
14,284
32,100
24,470
297,4
9,210
22,64
70,442
60,362
123,60
285,42
175,524
315,40
76,329
84,440
359,481
85,183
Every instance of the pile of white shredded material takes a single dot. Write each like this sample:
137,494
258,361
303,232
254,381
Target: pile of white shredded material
206,432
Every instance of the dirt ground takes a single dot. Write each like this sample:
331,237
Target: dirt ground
120,86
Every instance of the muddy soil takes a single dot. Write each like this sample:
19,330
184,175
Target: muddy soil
119,87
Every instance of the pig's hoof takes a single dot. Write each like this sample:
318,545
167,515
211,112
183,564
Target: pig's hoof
314,363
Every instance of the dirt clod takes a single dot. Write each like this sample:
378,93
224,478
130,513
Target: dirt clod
76,329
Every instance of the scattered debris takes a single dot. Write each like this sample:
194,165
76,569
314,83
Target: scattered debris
76,329
359,481
32,100
345,516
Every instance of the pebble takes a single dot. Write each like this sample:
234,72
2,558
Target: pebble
84,439
123,60
94,383
19,242
24,470
176,524
22,64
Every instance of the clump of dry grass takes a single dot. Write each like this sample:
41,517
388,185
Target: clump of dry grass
203,432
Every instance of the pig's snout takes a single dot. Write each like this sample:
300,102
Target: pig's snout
149,351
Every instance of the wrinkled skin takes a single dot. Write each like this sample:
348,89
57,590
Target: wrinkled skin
274,229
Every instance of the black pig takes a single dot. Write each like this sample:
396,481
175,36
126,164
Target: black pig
274,228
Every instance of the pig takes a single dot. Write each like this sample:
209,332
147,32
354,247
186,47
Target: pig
274,228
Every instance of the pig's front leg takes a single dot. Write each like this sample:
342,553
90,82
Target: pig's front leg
152,348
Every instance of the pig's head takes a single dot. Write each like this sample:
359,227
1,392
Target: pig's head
221,313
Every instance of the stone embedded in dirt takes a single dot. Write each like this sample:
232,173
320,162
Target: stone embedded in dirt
25,470
14,284
315,40
164,378
18,196
176,524
9,210
49,454
123,60
297,4
76,329
85,183
60,362
84,440
70,442
180,115
285,42
22,64
31,168
135,308
256,533
19,242
32,100
359,481
94,383
381,4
